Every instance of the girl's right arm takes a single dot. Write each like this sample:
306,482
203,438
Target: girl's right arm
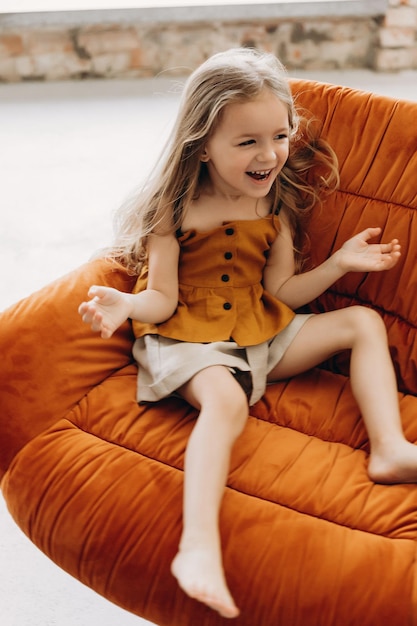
108,308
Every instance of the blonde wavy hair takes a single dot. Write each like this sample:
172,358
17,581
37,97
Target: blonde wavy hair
235,76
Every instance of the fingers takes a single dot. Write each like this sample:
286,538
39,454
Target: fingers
372,231
97,292
95,320
93,317
391,250
90,314
389,256
396,246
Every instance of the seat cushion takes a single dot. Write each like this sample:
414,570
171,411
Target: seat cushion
306,535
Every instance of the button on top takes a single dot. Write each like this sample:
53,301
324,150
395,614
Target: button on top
230,231
227,306
225,278
228,256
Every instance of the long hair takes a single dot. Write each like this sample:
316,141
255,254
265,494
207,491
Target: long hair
236,76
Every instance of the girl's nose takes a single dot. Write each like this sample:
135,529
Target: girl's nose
267,154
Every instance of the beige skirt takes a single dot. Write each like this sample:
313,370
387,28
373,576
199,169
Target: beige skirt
167,364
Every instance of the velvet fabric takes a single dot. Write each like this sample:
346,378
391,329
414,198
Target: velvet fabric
95,480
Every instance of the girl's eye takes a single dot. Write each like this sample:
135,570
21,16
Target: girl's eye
249,142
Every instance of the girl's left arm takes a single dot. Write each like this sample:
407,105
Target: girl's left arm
356,255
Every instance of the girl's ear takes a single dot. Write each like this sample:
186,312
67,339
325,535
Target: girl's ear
204,157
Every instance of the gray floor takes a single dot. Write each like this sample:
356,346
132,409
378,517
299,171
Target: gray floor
69,154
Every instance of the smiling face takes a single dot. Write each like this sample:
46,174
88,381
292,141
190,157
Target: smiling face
249,147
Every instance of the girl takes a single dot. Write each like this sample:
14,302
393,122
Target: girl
215,239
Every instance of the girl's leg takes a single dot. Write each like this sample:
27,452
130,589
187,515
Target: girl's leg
223,414
393,459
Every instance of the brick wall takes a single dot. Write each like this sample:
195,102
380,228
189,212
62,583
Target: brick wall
397,37
115,44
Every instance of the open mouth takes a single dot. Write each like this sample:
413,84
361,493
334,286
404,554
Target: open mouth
259,174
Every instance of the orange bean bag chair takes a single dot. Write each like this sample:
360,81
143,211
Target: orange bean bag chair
95,480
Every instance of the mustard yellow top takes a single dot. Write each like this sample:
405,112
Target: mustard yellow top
221,295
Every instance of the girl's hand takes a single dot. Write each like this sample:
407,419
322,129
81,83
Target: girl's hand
357,255
106,311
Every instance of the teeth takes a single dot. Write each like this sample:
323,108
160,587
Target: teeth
260,172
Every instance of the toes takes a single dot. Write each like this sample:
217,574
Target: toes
216,601
203,580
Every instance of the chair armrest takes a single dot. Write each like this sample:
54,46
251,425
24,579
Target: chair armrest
50,359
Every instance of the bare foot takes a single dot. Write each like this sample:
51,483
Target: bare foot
201,576
397,466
